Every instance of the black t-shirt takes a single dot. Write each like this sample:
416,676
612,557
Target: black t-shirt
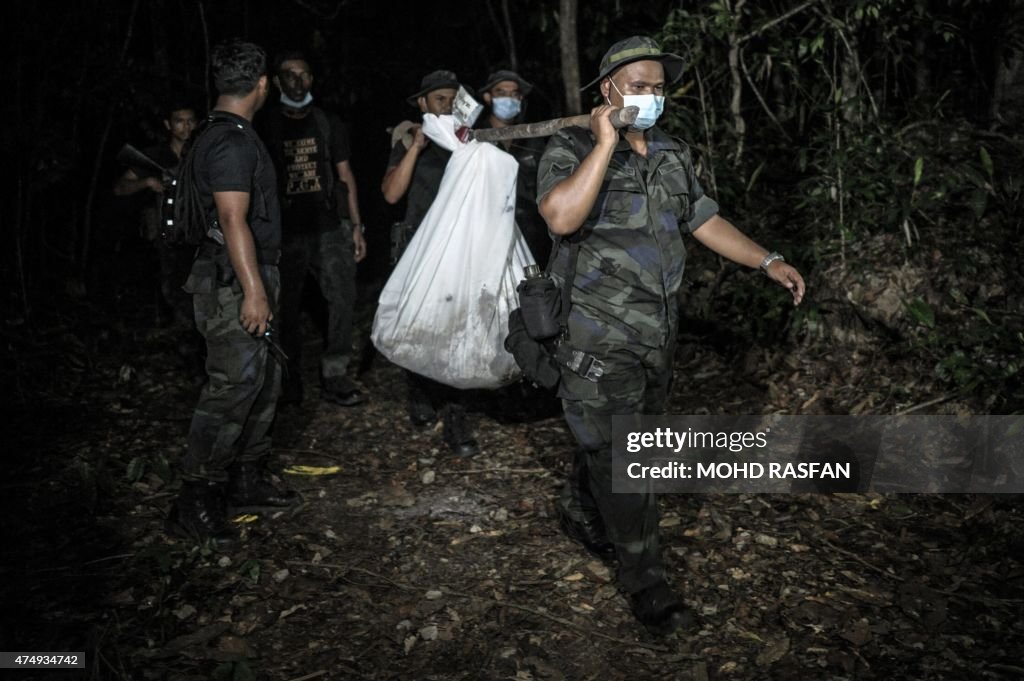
426,179
305,172
231,158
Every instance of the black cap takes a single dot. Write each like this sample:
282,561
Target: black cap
638,48
435,80
505,74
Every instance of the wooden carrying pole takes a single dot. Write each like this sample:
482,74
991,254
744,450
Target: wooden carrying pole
620,118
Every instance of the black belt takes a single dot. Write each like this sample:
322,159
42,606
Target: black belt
583,364
264,256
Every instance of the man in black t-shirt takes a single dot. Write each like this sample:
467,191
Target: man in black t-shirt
414,171
505,93
175,260
323,233
235,284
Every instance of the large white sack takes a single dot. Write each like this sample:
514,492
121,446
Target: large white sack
444,311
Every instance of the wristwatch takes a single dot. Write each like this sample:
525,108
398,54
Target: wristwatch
769,259
361,227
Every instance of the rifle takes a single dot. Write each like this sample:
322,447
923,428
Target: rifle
132,157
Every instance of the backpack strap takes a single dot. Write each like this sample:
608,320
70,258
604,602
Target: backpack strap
582,145
581,363
214,121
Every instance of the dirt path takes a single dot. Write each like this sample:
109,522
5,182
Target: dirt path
407,563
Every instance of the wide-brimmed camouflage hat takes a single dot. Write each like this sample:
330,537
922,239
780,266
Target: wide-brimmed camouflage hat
638,48
505,74
435,80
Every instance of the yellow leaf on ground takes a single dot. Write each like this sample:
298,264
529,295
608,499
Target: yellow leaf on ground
313,470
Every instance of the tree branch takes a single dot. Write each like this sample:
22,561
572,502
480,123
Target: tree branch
764,104
764,27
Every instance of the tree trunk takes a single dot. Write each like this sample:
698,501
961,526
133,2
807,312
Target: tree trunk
849,74
1005,86
206,53
922,72
161,59
567,13
513,58
736,103
101,151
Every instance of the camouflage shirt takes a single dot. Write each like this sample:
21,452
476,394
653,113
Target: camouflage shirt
631,258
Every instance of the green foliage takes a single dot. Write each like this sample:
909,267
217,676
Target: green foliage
921,312
251,570
835,150
155,463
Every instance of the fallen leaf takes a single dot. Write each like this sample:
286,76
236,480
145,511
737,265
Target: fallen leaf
773,652
184,612
857,633
312,470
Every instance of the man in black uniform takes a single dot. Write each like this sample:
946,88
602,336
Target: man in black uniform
234,284
322,231
415,172
505,94
175,260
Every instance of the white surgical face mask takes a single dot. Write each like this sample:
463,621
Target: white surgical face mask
506,108
288,101
650,107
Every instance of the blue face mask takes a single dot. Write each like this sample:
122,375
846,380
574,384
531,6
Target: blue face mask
506,108
650,107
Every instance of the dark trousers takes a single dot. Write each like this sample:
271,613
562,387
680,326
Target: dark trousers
635,381
175,266
438,395
232,421
330,258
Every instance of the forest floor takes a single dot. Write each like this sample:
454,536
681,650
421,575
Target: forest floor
408,563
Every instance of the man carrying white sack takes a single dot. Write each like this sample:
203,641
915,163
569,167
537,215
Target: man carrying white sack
443,313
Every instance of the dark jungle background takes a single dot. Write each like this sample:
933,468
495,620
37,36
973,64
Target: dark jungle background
874,142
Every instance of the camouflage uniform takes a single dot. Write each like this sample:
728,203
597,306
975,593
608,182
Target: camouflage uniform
317,232
629,269
231,422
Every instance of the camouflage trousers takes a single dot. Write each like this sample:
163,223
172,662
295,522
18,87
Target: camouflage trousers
635,381
330,258
232,421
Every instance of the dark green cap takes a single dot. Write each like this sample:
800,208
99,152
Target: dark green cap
498,76
638,48
435,80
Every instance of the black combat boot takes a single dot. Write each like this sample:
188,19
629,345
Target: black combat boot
457,434
292,391
589,532
200,513
421,410
660,610
342,391
250,489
